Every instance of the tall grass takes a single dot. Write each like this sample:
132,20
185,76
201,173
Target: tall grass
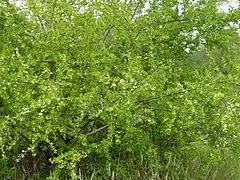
175,168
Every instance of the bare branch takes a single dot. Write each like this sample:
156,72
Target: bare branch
97,130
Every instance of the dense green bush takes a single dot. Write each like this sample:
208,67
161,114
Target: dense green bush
115,89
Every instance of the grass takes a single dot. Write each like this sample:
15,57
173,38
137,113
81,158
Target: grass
197,167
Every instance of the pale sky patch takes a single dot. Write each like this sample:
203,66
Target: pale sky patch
229,4
225,6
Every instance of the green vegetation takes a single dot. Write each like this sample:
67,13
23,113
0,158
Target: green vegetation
115,90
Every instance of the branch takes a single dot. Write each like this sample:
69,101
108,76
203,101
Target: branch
157,143
97,130
135,11
71,53
41,23
53,10
147,107
161,22
108,31
171,21
158,97
147,99
27,29
90,120
105,33
75,65
48,61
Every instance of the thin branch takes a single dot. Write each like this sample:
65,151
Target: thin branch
108,31
170,143
27,29
71,53
113,101
97,130
105,34
20,81
135,11
147,107
147,99
90,120
75,65
158,97
160,22
53,10
171,21
41,23
48,61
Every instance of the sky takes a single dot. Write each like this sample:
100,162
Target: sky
226,5
230,3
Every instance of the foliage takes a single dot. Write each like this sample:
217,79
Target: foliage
102,87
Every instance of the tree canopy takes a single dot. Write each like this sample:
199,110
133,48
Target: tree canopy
93,85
